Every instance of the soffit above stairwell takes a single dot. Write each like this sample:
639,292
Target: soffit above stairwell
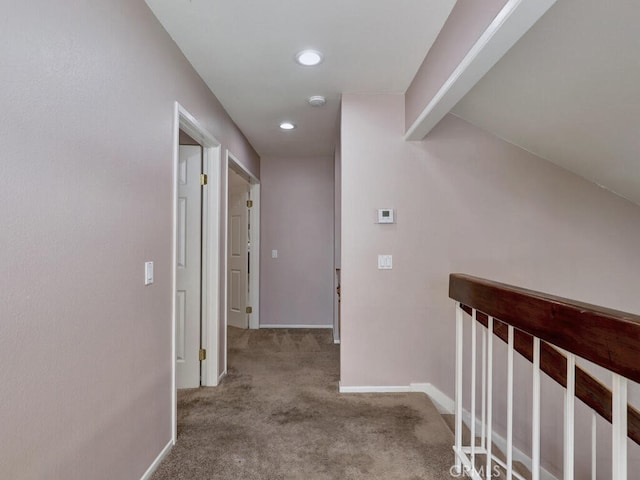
244,51
464,52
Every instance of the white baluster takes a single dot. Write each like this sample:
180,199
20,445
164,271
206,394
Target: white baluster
594,446
483,423
510,406
473,385
489,396
535,420
569,412
458,418
619,423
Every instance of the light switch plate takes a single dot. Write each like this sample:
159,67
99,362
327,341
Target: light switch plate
148,273
274,253
385,262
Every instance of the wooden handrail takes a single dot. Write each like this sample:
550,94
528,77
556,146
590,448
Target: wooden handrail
606,337
593,393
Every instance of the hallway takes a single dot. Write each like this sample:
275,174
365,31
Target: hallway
278,415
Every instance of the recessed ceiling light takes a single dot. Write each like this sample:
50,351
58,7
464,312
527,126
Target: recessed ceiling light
309,58
317,101
287,126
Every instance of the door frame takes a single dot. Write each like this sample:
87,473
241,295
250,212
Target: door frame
210,301
230,161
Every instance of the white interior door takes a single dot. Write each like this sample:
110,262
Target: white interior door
238,254
189,267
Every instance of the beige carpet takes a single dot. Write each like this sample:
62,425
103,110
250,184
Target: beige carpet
278,416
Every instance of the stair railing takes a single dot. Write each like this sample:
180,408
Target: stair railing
551,332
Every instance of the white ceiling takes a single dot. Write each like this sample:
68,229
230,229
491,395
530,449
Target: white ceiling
244,50
569,91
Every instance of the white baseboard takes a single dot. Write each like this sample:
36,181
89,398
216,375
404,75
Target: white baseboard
221,376
298,326
337,342
444,404
152,468
376,389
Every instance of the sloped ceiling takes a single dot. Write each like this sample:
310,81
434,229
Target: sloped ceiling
569,91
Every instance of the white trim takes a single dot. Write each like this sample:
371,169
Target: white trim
221,376
336,302
211,267
375,389
224,196
236,165
446,405
183,120
174,278
336,342
511,23
328,327
154,465
254,274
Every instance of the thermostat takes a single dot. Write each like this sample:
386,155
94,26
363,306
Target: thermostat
385,215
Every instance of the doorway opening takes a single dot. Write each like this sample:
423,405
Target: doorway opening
242,257
196,247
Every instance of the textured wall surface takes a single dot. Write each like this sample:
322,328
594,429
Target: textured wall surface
88,92
297,214
471,203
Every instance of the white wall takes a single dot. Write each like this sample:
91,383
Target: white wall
88,92
466,202
297,211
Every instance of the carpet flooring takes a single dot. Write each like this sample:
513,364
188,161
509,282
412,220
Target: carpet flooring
278,415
